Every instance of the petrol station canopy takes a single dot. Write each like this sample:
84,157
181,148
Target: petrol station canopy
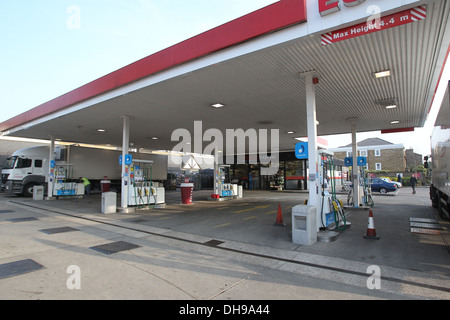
253,67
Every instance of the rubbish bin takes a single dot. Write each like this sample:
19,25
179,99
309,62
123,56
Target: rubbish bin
240,192
38,193
105,184
304,225
109,202
186,193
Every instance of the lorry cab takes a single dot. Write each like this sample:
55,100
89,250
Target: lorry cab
25,169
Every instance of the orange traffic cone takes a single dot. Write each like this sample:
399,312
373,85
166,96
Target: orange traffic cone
371,233
279,221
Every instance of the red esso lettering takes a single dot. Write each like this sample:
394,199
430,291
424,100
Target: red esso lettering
352,3
330,6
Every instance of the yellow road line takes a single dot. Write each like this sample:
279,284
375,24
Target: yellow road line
250,209
289,209
222,225
243,204
248,218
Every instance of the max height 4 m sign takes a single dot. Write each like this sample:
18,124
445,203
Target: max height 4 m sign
382,23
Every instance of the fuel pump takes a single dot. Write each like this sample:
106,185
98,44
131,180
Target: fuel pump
142,192
223,180
331,209
364,184
64,184
326,214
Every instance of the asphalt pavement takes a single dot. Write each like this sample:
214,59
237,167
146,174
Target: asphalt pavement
68,249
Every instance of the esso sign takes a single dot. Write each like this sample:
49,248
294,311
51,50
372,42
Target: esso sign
330,6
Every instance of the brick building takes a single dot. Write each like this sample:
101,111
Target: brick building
412,160
381,155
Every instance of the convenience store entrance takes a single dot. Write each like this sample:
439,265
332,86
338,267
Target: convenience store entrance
291,175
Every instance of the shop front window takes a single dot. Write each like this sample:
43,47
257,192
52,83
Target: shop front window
240,175
254,181
295,175
276,181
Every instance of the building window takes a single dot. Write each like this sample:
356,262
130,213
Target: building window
295,175
377,152
349,154
363,153
377,166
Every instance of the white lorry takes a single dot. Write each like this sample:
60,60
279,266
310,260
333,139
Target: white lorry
440,154
29,167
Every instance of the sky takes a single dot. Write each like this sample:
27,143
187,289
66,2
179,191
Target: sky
50,47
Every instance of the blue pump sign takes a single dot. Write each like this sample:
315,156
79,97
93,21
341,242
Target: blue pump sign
128,159
301,150
362,161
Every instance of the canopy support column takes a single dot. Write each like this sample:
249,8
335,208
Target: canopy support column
125,167
51,169
313,161
355,169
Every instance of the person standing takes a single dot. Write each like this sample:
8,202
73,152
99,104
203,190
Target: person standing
87,186
413,182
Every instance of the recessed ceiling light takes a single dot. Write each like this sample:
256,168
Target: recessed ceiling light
391,106
101,130
155,138
290,132
395,121
382,74
217,105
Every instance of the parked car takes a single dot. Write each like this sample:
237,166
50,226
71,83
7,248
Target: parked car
382,186
399,185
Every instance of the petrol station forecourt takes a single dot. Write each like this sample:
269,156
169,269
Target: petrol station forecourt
314,68
313,62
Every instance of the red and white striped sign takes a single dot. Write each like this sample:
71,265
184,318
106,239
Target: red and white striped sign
391,21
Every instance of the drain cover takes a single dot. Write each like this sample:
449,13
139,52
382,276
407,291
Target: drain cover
423,220
115,247
426,225
23,219
58,230
18,267
213,243
425,231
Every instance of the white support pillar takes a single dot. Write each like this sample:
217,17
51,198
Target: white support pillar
216,170
125,167
51,169
355,169
313,161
